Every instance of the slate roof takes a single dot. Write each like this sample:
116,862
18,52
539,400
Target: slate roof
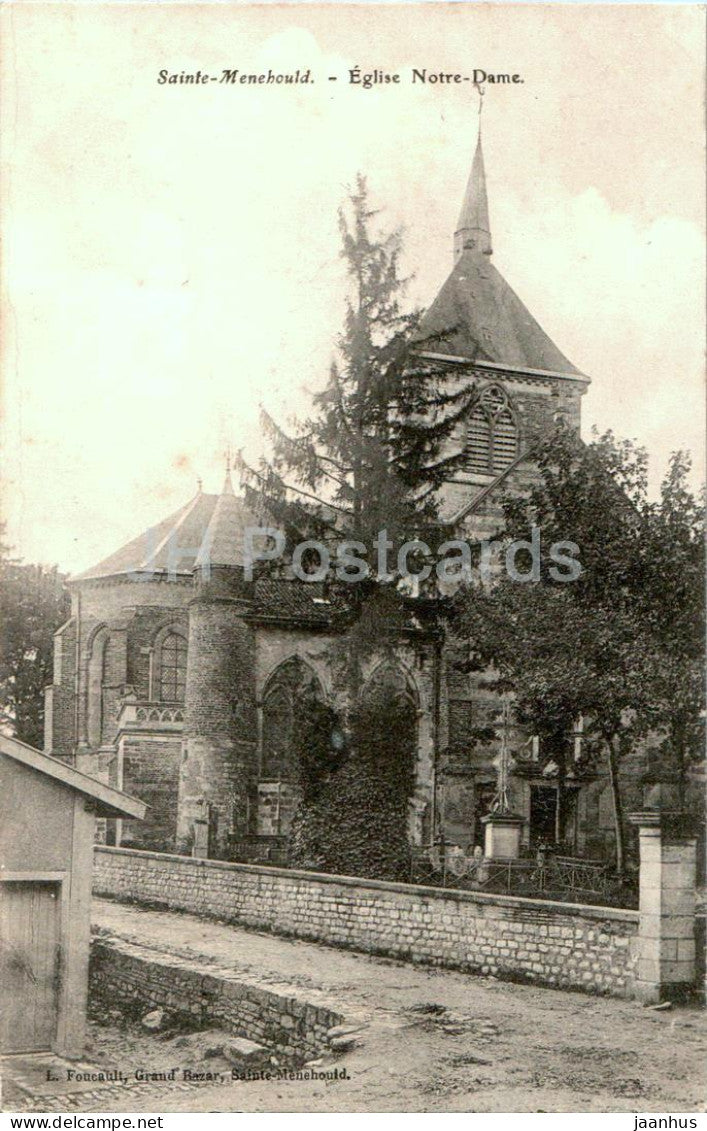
150,551
481,317
224,539
478,315
292,600
473,225
178,543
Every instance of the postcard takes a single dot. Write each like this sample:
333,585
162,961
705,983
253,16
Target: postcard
352,697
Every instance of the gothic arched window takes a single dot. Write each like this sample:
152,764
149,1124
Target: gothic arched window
389,715
173,668
278,733
390,685
491,442
288,697
289,704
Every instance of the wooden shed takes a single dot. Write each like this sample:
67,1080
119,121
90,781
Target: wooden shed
47,817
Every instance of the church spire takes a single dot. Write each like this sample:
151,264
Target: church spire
473,227
227,488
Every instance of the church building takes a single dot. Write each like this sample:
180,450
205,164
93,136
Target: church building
179,681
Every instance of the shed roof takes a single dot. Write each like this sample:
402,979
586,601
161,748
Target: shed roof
109,802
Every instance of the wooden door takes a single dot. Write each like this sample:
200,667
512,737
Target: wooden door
29,965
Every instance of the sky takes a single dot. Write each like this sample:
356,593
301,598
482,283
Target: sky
171,252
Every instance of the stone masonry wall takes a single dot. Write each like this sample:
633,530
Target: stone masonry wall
137,979
151,772
555,944
116,603
60,723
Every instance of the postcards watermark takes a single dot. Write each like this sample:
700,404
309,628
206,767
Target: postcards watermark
352,561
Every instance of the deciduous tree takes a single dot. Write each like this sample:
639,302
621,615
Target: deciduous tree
596,647
33,604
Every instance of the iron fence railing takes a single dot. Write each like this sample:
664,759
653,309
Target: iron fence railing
258,850
545,876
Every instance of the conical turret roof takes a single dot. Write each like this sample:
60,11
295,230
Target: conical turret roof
207,524
224,538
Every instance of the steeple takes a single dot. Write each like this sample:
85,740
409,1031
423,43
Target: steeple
476,315
473,227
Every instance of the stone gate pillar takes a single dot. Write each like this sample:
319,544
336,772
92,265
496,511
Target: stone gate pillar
666,934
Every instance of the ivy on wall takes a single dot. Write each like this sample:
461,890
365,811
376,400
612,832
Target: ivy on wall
353,815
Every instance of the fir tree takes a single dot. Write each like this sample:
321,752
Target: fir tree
368,459
370,456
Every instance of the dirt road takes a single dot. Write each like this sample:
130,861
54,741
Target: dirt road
433,1040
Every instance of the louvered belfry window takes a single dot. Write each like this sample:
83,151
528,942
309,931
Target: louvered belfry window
491,434
478,441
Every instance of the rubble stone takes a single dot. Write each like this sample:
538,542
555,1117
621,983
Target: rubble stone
153,1020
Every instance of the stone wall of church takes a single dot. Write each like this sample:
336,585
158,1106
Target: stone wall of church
536,403
220,728
539,400
131,612
145,624
151,772
114,623
60,696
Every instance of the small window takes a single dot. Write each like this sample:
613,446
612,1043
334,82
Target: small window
491,434
173,668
